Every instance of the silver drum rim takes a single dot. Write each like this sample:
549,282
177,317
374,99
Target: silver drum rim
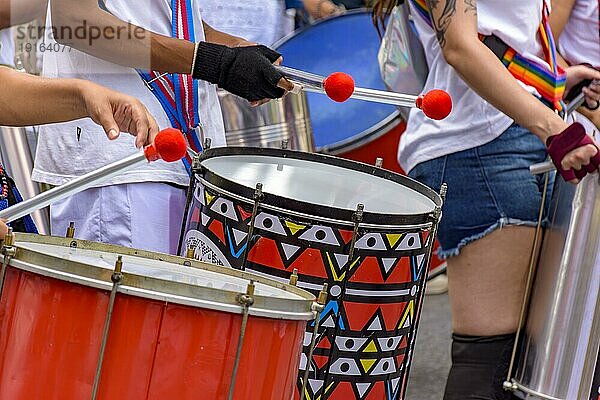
37,262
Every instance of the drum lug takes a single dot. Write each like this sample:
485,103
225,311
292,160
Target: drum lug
246,300
284,144
207,143
70,230
379,162
294,277
510,386
443,191
116,278
317,307
9,251
357,218
258,198
191,252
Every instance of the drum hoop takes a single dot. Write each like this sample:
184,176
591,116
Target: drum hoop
368,135
286,211
316,210
156,288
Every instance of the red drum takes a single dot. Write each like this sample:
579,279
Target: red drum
357,130
173,330
365,231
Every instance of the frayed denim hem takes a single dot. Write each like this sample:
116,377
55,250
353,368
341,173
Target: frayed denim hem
502,222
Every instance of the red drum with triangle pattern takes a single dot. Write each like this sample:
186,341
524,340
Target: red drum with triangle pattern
375,268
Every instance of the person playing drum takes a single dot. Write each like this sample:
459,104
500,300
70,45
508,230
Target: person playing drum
143,208
575,25
29,100
483,151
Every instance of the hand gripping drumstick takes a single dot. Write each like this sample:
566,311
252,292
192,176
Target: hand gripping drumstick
339,87
548,166
169,145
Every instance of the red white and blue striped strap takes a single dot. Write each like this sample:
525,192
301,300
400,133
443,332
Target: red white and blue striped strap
178,93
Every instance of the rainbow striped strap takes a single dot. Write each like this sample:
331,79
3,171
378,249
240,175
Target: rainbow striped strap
178,93
549,82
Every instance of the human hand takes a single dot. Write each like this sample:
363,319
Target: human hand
578,73
117,112
245,71
574,153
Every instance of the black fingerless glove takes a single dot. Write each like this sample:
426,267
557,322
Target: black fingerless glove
244,71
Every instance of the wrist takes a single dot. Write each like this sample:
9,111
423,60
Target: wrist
207,63
549,125
80,93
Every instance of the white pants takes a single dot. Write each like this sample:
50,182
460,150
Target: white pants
145,216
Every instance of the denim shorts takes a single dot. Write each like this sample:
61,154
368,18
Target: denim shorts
489,186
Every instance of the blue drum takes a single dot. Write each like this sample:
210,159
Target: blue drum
347,43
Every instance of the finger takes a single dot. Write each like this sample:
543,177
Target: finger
286,85
153,130
279,61
106,119
3,229
142,128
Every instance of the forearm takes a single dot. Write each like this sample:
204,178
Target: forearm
17,12
484,73
111,39
30,100
214,36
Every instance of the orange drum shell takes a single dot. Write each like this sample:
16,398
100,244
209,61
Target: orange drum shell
50,337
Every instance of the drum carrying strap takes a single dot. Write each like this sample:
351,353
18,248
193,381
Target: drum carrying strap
9,195
549,82
177,93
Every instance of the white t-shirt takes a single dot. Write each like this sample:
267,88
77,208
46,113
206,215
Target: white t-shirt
7,48
473,121
61,157
262,22
580,40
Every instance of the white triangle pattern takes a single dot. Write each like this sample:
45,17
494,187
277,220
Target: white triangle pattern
315,384
375,325
205,219
238,236
395,383
289,250
388,263
363,387
342,259
329,322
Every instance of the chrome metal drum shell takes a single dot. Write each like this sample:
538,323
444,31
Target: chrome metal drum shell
562,334
268,125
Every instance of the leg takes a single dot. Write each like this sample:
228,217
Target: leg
486,286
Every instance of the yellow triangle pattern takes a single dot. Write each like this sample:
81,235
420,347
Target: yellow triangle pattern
393,238
294,228
209,198
368,364
354,263
408,316
333,271
371,348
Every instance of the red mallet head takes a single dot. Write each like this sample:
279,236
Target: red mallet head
339,86
436,104
169,145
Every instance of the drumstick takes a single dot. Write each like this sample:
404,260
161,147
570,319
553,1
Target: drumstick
339,86
548,166
169,145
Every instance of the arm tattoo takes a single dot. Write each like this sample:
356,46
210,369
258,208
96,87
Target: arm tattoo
471,5
441,24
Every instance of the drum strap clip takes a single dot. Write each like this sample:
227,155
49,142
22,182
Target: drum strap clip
9,251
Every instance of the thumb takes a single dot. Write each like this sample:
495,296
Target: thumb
107,120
